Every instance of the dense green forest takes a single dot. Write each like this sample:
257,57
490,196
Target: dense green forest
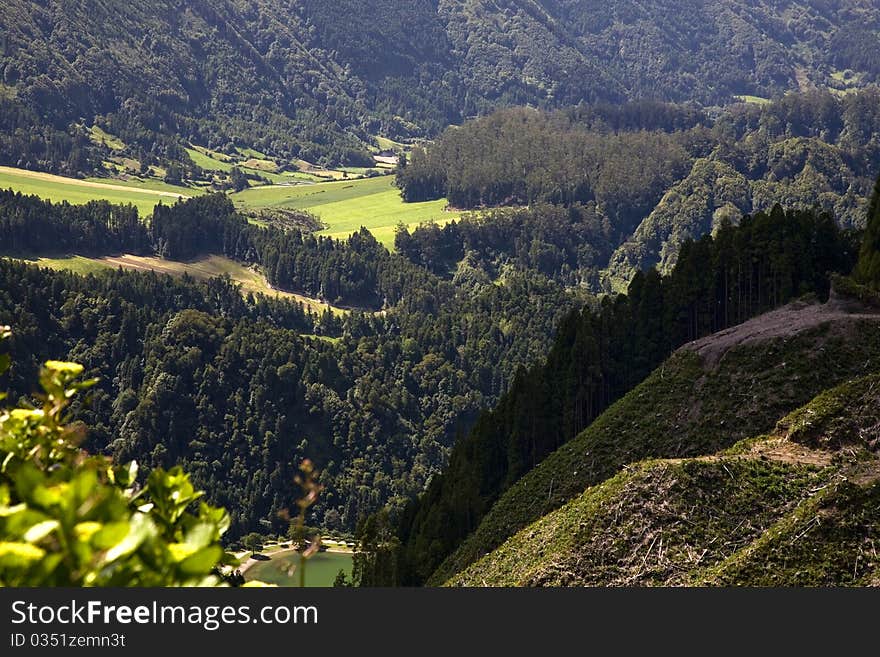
30,225
238,389
639,180
241,387
601,353
319,81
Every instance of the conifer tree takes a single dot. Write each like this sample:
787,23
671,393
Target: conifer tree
868,267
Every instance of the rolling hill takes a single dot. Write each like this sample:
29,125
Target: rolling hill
643,178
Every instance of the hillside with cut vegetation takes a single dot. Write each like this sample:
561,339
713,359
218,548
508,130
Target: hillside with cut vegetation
600,355
716,391
796,506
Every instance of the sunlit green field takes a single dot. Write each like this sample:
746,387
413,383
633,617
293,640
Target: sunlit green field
385,143
76,264
346,205
257,162
343,206
321,569
98,136
207,162
57,188
753,100
150,184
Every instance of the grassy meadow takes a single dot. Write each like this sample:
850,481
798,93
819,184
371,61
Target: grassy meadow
148,184
99,136
281,568
753,100
342,205
346,205
76,264
209,160
72,190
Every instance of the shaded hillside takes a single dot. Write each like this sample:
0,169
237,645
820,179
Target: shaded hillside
797,507
700,50
868,267
709,395
794,171
258,74
317,80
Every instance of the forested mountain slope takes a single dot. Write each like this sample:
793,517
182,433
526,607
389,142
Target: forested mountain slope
637,180
796,505
602,353
868,267
311,79
240,388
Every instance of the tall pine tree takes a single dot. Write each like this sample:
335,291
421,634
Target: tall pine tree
868,268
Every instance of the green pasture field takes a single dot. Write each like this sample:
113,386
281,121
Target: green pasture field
76,264
72,190
207,162
202,268
98,136
343,206
154,184
753,100
389,144
321,569
346,205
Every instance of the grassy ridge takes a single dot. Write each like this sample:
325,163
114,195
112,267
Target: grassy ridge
629,529
99,136
202,268
802,550
681,410
76,264
798,507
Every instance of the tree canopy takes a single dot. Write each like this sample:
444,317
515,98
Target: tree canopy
868,267
320,81
68,518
